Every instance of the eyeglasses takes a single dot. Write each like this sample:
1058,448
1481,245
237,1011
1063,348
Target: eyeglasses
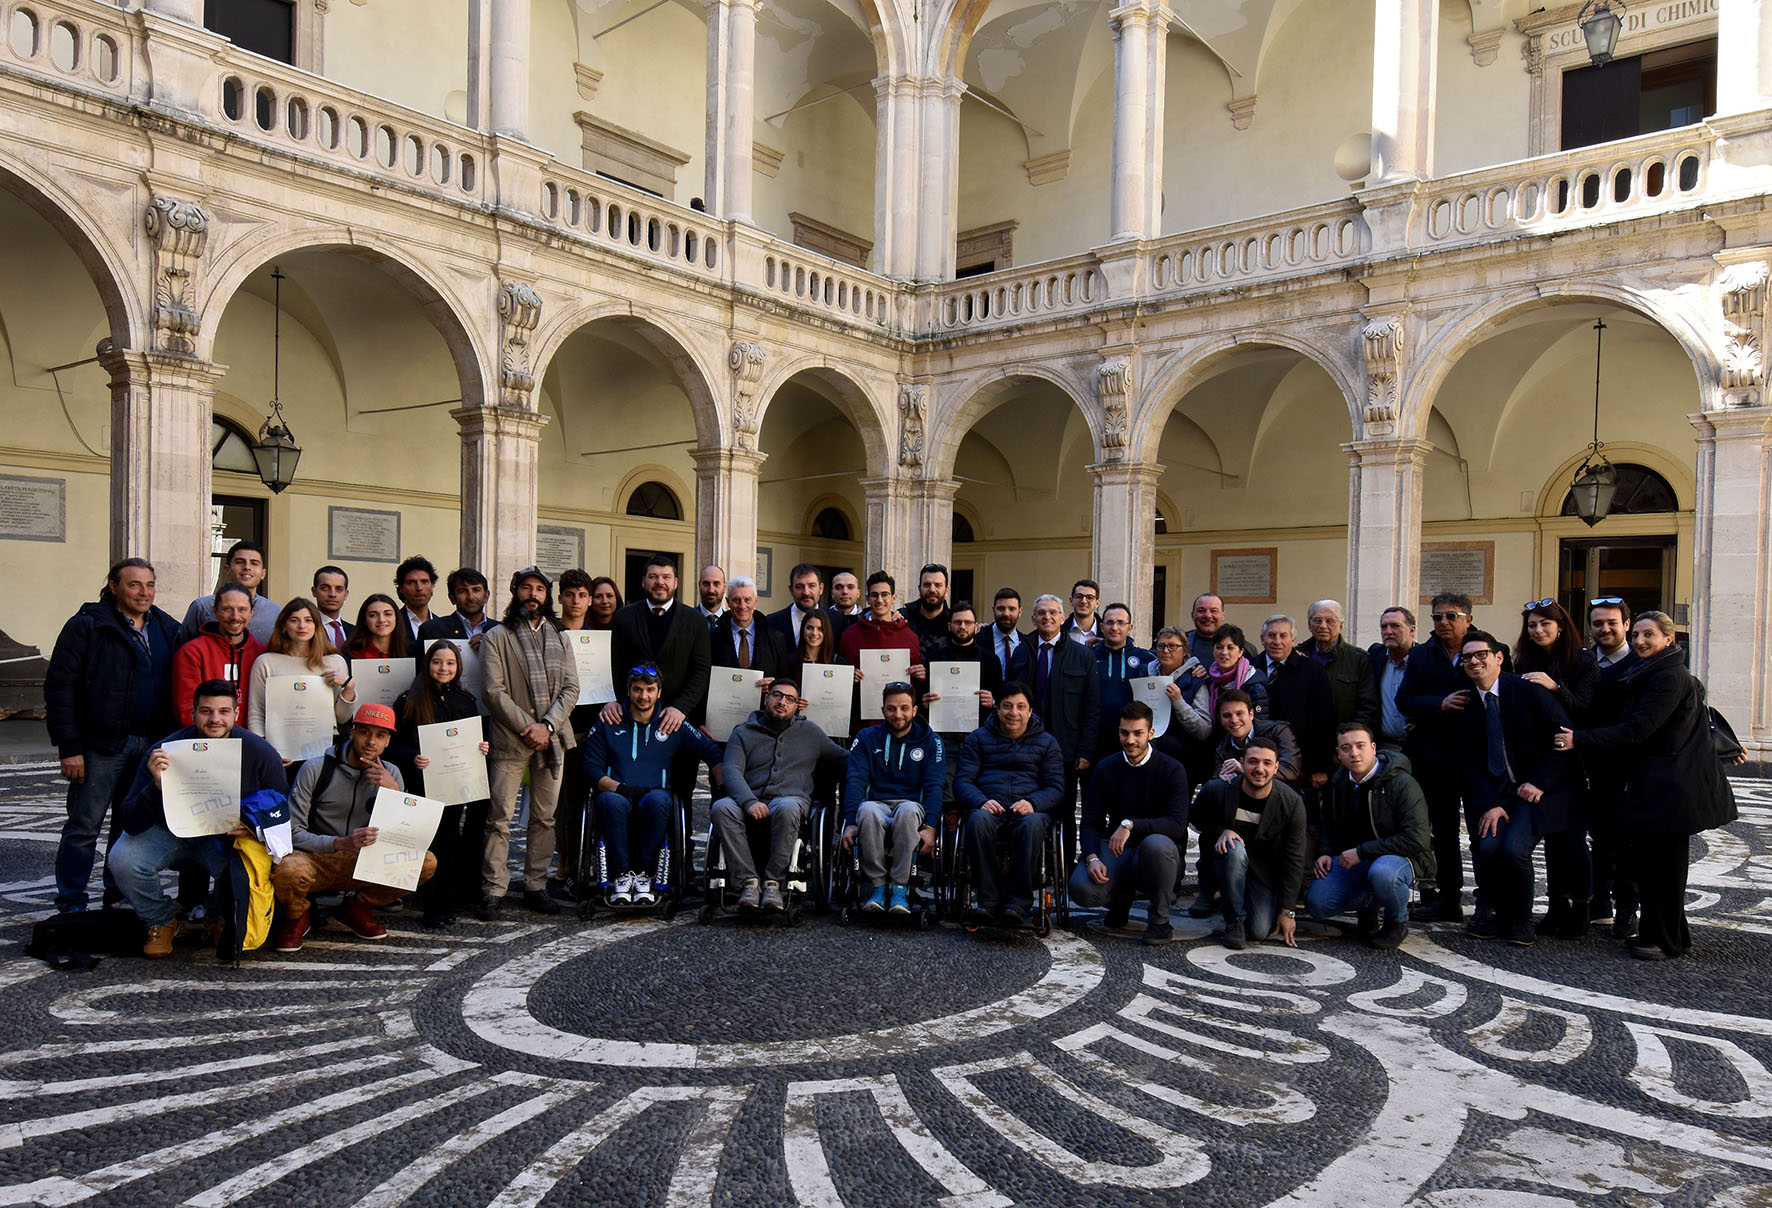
1448,616
1480,655
783,694
1599,600
1084,595
1167,646
1530,605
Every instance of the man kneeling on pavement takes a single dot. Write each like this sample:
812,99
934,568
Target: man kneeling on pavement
768,771
1253,829
1376,840
330,807
1147,791
147,846
897,770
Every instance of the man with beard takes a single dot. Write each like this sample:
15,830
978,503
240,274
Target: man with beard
712,590
806,585
531,684
928,617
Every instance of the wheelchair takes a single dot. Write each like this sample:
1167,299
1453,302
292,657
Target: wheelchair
803,885
842,876
671,873
1051,876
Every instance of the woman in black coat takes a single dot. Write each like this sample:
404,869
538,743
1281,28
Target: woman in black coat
437,695
1674,785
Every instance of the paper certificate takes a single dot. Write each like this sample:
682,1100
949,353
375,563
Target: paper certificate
473,679
381,681
457,771
298,715
732,697
957,685
406,826
879,668
1153,690
201,786
590,653
827,689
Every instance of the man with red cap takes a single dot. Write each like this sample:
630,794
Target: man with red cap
329,810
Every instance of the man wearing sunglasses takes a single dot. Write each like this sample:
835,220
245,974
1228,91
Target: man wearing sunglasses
1517,786
770,760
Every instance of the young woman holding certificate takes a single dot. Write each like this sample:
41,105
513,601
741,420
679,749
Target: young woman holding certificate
379,634
437,696
299,646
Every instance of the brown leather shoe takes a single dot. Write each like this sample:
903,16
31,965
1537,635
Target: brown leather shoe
160,940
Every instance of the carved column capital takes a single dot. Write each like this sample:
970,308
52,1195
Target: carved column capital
1382,342
1113,384
746,361
913,410
1744,324
519,309
179,231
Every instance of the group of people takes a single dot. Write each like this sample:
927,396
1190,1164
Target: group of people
1316,775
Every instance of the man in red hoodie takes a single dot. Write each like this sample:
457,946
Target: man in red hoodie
224,649
882,627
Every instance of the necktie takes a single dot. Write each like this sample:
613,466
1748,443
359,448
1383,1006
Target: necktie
744,649
1043,676
658,610
1005,656
338,635
1497,744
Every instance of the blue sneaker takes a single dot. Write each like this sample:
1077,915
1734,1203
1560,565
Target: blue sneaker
876,901
901,900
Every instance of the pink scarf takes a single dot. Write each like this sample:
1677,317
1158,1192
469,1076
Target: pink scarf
1217,677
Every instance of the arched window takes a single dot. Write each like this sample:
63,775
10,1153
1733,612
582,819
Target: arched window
1641,491
831,525
230,447
963,530
655,500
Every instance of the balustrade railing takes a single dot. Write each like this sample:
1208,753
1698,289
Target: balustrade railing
631,221
85,43
1273,245
1050,287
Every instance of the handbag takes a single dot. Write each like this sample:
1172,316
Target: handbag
1722,738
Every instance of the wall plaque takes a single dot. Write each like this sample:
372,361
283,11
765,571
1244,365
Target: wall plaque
1245,576
1465,567
558,548
33,509
362,535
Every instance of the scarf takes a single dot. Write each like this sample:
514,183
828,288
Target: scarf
1217,677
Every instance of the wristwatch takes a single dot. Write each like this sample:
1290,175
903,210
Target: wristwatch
549,725
1126,823
1291,914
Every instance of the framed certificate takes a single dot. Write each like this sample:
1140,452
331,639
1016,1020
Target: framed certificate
381,681
1153,690
591,654
457,771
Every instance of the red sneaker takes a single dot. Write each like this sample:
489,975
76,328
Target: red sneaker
291,933
357,915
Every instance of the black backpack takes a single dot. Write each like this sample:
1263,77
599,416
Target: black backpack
79,940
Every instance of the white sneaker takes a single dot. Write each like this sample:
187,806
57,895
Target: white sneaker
643,895
623,891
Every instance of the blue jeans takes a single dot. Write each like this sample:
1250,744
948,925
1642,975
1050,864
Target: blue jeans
637,827
108,778
1386,881
1246,896
137,860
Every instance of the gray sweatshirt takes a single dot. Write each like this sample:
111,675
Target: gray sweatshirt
341,809
763,763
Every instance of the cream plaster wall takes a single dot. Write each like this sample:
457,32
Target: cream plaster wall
1480,117
387,51
827,167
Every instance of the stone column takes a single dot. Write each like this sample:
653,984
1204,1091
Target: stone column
161,409
1140,53
726,509
891,521
508,68
1744,56
731,121
1125,540
932,522
1405,36
1732,568
1383,530
938,178
500,490
916,176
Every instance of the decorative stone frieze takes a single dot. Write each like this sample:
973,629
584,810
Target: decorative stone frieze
519,307
1113,382
1744,321
746,362
913,407
179,230
1382,342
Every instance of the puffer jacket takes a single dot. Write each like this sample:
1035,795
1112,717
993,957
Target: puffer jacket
995,767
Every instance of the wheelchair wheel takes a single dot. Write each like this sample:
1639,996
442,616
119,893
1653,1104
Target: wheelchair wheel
707,913
668,909
923,918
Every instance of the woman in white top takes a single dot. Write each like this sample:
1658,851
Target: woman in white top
299,646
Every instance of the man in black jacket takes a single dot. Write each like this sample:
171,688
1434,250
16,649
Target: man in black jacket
1615,894
742,638
1066,697
1253,826
468,591
1517,787
1134,829
1351,685
1375,840
672,639
1434,688
1011,779
107,696
1298,693
806,585
1390,658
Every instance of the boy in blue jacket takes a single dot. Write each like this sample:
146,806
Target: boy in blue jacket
896,773
629,767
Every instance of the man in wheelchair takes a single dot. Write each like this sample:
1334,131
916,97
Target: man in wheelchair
629,767
896,775
770,760
1011,778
